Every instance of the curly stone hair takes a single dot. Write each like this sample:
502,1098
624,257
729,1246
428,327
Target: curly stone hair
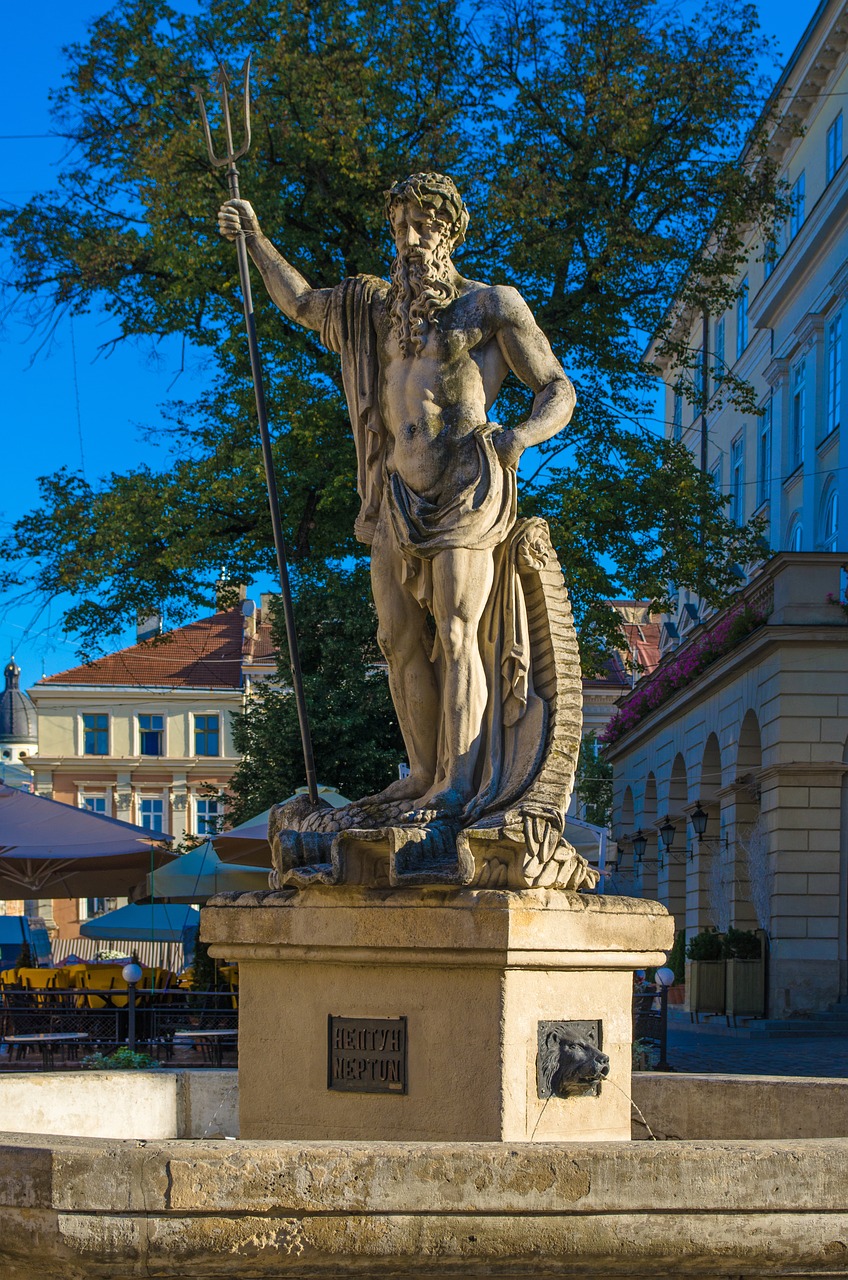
436,190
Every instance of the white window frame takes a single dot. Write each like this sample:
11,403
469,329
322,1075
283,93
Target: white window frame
833,148
83,794
81,731
162,797
797,205
718,354
197,801
764,435
797,414
742,319
137,732
795,533
830,517
833,413
737,478
194,716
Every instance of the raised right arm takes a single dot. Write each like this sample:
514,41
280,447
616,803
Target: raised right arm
286,286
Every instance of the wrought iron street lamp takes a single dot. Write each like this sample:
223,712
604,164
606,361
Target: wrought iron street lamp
640,844
700,818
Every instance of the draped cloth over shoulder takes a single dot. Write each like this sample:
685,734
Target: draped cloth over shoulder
348,330
481,514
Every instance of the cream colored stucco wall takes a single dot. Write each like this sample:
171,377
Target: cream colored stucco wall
778,707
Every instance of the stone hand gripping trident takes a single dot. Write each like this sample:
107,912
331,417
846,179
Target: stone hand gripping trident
256,368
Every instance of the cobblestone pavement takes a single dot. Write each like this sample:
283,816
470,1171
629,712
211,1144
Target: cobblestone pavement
691,1049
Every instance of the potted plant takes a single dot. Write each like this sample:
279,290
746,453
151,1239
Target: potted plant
706,972
745,987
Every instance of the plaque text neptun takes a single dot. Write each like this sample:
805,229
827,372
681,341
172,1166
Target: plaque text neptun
367,1055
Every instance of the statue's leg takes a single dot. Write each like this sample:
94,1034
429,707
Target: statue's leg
462,581
406,642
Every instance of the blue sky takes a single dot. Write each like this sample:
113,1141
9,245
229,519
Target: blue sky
69,404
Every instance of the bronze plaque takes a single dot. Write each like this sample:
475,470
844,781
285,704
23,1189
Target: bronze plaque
367,1055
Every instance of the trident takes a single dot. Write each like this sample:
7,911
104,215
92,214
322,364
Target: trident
256,368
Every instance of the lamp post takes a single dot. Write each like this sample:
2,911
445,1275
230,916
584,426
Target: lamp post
663,978
132,974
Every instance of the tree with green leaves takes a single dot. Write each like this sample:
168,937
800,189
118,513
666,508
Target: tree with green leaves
355,735
595,144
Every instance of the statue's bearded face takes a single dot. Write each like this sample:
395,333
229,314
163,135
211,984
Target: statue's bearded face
422,273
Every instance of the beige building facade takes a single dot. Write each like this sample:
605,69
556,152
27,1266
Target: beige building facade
145,734
760,739
759,735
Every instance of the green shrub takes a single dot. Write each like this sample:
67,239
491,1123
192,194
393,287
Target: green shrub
123,1059
705,946
677,956
741,944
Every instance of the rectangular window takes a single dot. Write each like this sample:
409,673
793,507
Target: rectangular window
718,355
737,479
151,735
834,147
798,415
715,474
770,258
207,736
677,418
95,734
834,372
94,804
797,206
742,318
698,383
209,816
152,813
764,454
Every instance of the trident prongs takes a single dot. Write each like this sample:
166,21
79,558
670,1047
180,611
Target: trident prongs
223,80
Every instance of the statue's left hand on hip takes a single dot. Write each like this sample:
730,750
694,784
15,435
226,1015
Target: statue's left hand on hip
508,447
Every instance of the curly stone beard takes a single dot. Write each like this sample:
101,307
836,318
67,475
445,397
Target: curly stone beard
421,288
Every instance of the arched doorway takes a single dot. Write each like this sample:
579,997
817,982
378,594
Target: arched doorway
698,912
648,824
743,824
671,874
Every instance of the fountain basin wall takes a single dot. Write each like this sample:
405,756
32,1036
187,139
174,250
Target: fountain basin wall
723,1106
81,1209
163,1103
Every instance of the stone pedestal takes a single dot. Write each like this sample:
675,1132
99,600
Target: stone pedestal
472,974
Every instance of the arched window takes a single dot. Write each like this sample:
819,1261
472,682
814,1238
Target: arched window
829,518
795,536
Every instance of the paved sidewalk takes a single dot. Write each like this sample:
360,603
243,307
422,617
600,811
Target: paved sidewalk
691,1049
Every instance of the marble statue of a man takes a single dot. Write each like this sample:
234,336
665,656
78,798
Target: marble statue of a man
423,359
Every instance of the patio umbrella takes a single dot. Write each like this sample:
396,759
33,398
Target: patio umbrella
54,850
250,839
198,874
142,922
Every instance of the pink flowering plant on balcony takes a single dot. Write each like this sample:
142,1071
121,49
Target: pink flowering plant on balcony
684,668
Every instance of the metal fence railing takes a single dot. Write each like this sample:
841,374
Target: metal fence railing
65,1025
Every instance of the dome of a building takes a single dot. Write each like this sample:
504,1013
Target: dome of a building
18,720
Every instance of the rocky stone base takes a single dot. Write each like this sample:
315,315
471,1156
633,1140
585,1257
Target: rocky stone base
74,1209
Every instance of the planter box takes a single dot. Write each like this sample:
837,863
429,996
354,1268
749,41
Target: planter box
706,986
677,994
745,988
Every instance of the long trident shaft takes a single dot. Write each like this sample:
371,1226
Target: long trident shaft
259,391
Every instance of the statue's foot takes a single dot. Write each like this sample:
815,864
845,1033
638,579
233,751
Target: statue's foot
401,789
441,802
